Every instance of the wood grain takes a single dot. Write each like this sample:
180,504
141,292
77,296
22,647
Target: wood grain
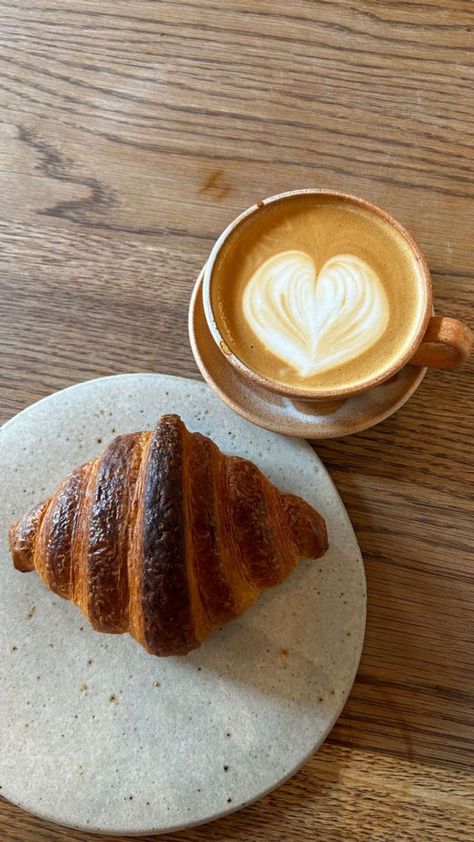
132,131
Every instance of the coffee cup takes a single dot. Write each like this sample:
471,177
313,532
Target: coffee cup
318,296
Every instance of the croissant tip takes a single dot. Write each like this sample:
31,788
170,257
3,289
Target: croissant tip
21,557
308,527
170,417
11,535
22,536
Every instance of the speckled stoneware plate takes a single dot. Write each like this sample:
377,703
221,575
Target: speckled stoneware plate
97,734
277,412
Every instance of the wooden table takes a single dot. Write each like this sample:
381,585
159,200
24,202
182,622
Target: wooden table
132,131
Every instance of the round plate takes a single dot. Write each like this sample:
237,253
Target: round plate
278,413
99,735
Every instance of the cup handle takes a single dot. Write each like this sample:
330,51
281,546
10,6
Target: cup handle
446,343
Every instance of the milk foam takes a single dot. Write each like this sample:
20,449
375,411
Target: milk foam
315,322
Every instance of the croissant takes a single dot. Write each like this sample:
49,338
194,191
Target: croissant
165,537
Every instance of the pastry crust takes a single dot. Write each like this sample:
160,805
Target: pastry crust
165,537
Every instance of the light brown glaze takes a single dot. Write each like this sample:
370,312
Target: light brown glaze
447,343
165,537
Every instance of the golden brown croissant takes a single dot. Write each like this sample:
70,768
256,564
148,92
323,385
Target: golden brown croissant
166,538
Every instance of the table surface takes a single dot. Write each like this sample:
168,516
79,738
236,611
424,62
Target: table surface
131,133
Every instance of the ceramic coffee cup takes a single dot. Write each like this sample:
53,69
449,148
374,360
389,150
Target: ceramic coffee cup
433,341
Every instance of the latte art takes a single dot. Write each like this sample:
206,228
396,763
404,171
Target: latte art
317,294
315,322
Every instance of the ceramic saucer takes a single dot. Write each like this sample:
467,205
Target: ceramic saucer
278,413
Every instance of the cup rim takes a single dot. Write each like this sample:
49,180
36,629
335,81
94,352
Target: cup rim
326,392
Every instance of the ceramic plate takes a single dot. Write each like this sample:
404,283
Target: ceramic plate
97,734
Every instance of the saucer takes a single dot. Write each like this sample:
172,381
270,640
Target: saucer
278,413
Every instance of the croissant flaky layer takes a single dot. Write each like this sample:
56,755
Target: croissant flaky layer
165,537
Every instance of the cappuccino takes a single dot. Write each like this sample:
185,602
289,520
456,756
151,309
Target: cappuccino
317,292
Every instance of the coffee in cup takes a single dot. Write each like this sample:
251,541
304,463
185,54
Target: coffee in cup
319,295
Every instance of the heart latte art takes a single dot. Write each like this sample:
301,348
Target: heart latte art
315,322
